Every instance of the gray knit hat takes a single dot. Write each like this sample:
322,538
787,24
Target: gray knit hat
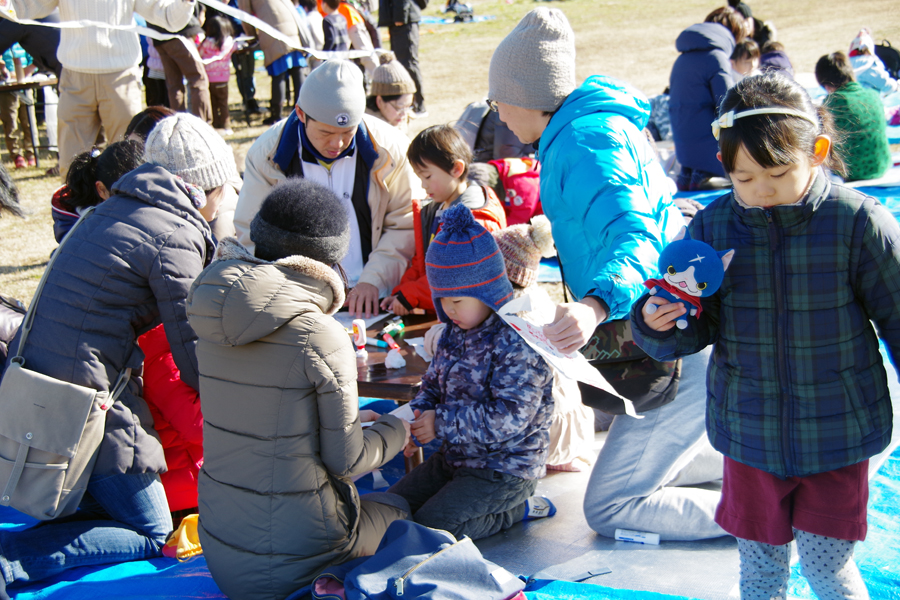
333,94
187,146
302,217
534,66
391,78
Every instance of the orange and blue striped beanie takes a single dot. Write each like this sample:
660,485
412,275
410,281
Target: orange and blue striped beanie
464,260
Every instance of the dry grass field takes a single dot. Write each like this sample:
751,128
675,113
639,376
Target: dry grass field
629,39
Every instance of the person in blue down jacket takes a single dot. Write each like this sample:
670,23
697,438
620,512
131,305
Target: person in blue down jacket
127,268
611,212
700,77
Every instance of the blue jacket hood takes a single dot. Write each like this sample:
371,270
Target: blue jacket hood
705,36
599,94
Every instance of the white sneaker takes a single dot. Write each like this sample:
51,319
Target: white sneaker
225,132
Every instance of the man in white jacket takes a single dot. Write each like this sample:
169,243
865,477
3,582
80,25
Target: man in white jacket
101,80
328,139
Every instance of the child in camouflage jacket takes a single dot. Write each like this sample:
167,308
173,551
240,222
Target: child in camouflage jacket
487,395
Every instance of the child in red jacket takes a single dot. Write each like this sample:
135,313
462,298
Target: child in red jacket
440,157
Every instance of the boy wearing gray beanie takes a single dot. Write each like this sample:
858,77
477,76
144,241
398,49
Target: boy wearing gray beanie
611,211
361,159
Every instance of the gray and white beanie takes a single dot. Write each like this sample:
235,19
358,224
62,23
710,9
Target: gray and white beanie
534,66
334,94
188,147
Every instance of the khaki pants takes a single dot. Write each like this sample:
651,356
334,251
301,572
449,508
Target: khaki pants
14,116
87,100
181,61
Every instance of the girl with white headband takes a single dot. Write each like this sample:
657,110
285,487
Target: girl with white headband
798,396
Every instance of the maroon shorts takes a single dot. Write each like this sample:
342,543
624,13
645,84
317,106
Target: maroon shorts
760,507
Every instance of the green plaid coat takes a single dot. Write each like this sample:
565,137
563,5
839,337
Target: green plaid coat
796,383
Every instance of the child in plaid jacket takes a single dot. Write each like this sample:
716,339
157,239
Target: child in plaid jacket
797,391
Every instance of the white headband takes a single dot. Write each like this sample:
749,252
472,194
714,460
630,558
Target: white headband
727,120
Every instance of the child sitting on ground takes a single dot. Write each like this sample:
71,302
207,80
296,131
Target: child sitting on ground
487,394
89,182
798,397
869,69
440,157
858,116
572,425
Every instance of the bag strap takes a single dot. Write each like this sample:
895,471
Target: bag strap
29,316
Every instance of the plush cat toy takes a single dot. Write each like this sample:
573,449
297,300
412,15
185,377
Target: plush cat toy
690,270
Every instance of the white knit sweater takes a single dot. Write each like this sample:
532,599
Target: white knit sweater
101,50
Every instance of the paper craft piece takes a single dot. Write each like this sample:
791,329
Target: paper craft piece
405,412
7,10
394,360
419,345
574,366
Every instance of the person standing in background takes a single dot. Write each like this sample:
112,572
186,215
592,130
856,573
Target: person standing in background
402,17
101,82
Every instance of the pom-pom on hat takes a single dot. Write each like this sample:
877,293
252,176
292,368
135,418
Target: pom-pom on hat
862,42
391,78
333,94
188,147
534,66
463,260
301,217
523,246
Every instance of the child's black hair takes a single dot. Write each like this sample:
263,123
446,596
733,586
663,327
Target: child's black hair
9,195
217,28
440,145
106,167
143,123
745,49
774,140
834,70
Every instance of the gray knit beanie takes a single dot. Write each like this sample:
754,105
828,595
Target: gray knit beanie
534,66
187,146
333,94
302,217
391,78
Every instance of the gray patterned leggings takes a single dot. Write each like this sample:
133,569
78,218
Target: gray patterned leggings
827,563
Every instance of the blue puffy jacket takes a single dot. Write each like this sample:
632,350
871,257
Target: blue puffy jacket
700,77
605,193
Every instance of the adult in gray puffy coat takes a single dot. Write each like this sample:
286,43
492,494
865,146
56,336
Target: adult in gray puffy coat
281,429
127,268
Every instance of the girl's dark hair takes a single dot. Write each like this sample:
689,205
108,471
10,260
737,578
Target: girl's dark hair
730,19
143,123
372,103
440,145
106,167
834,70
9,195
332,4
217,27
774,140
745,49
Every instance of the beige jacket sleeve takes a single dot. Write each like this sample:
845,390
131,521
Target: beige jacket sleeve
394,231
260,175
171,14
346,449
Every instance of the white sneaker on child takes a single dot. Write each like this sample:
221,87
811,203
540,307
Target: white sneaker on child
538,507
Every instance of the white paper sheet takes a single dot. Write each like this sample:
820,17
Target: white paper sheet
574,366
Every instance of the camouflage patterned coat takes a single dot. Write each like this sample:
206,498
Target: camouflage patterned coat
492,397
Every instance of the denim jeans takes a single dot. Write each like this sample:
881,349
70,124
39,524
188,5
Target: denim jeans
121,518
642,477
